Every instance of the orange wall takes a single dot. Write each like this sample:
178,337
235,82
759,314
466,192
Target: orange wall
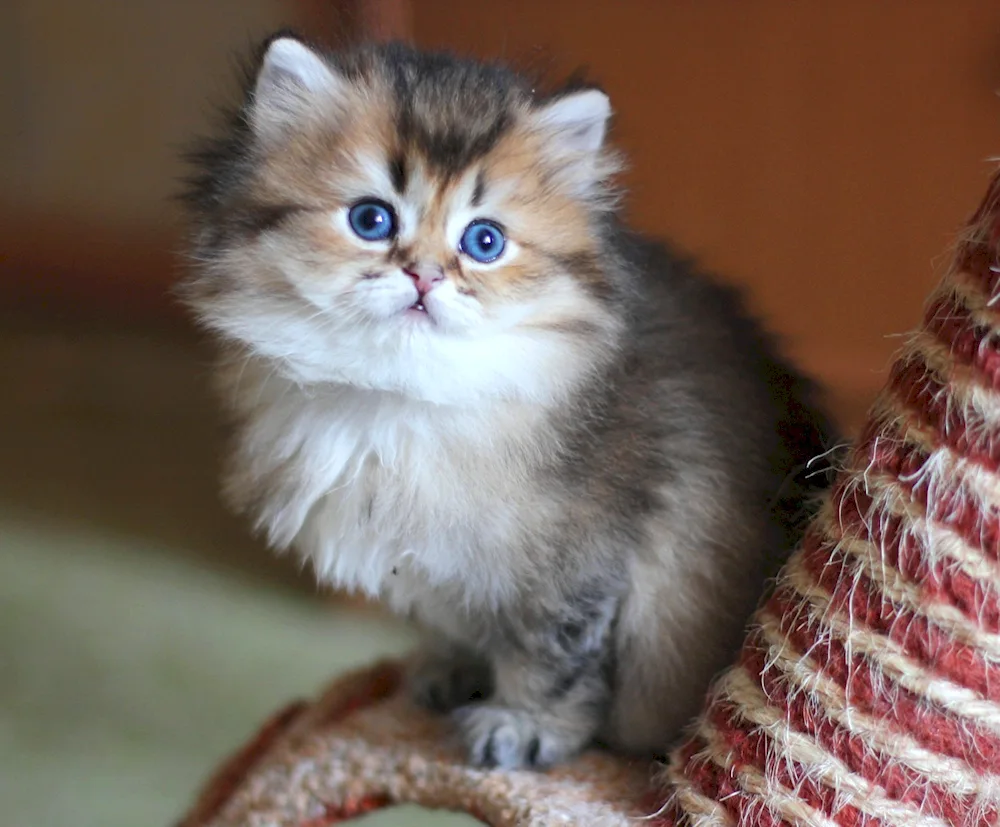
820,153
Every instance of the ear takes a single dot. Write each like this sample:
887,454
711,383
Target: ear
292,79
572,128
576,122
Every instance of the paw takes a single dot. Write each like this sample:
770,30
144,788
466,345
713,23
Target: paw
442,684
511,739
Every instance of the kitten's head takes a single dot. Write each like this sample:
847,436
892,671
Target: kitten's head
409,222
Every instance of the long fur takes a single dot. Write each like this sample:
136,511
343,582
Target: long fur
575,466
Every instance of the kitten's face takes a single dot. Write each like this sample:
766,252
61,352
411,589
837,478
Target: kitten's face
403,225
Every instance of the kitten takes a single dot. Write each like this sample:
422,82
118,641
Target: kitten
462,386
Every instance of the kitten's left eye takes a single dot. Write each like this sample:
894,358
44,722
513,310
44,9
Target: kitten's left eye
482,241
372,220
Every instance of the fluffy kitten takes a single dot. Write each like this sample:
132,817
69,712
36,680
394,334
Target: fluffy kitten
463,387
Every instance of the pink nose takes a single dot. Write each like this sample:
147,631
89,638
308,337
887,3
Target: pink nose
425,276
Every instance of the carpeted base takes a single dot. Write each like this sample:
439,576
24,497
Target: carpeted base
362,746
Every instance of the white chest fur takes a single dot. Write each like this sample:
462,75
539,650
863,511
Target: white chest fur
387,495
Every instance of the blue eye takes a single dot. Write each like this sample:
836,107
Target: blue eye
482,241
372,220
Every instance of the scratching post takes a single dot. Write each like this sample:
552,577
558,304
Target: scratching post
867,692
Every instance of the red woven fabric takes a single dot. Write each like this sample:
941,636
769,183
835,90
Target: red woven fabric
868,692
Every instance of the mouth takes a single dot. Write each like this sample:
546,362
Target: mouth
418,310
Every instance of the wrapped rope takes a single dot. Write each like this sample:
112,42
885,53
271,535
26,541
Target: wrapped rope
868,691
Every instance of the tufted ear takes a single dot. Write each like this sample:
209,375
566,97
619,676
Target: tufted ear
291,81
576,122
573,128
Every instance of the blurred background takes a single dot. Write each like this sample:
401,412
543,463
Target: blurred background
821,155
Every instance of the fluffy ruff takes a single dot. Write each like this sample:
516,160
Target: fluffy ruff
868,690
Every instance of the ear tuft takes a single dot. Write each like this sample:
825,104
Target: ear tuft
291,77
290,64
572,129
578,121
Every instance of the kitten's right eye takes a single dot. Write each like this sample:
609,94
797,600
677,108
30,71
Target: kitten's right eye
372,220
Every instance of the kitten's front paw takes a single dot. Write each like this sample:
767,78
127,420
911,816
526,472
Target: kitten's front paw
512,739
444,684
